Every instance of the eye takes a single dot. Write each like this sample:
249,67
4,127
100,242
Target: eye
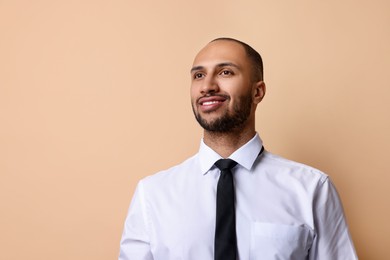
226,73
198,75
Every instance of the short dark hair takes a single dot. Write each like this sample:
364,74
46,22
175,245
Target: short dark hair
253,55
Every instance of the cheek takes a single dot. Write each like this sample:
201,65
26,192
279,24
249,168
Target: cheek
238,91
193,96
242,98
192,93
194,90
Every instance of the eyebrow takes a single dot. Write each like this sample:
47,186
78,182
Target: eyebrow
219,65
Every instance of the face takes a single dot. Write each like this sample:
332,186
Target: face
223,94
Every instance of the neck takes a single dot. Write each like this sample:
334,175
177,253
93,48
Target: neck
227,143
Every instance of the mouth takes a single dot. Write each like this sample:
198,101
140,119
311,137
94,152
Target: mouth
207,103
211,103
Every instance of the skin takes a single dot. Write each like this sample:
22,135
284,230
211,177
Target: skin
221,80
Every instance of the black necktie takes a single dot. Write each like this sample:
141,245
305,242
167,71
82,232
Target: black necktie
225,231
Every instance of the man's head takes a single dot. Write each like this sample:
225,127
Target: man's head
253,56
227,84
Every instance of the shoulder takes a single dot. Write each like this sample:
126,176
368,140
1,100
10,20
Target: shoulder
280,165
173,173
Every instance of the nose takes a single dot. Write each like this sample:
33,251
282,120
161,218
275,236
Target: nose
209,85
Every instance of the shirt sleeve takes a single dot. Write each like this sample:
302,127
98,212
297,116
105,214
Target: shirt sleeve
135,242
332,240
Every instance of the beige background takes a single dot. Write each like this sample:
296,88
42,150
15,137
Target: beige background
94,95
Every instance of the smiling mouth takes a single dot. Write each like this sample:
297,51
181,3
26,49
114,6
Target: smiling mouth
212,100
211,103
207,103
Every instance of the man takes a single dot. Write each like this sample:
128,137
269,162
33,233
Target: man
274,208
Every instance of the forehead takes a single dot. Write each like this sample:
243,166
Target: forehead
221,51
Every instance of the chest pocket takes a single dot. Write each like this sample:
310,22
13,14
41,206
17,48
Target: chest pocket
280,242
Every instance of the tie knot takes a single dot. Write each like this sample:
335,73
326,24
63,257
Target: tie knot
225,164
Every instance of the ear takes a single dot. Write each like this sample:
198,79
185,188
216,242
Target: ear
258,92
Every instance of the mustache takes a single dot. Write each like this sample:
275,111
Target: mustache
227,97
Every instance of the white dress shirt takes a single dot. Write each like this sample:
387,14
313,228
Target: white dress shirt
284,210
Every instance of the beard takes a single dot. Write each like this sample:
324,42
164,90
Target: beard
230,120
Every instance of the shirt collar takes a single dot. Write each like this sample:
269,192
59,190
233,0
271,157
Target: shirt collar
244,156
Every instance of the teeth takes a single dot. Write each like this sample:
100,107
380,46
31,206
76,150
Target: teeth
210,102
